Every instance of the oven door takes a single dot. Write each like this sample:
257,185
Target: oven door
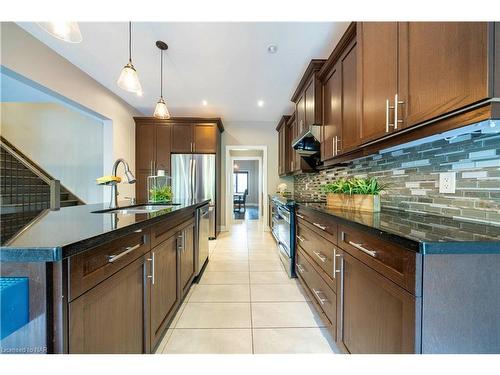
283,229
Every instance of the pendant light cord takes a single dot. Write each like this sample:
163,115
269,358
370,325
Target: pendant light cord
130,41
161,74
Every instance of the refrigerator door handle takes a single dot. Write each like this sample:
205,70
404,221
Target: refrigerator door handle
195,193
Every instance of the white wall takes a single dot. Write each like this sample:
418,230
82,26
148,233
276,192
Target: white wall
65,143
25,55
253,134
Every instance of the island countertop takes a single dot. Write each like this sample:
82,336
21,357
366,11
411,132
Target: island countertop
55,235
423,233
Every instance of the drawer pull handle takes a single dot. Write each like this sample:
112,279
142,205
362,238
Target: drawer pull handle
299,215
322,227
138,231
113,258
363,249
301,239
321,300
321,257
300,268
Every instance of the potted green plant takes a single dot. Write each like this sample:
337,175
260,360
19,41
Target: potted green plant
362,194
161,194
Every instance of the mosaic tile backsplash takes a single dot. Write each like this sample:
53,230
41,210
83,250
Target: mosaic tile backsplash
412,174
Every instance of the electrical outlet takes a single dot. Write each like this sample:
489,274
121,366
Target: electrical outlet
447,183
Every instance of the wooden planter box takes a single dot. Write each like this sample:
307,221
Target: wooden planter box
355,202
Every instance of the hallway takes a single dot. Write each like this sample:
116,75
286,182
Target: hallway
245,303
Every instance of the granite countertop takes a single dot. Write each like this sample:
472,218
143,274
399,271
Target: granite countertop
424,233
55,235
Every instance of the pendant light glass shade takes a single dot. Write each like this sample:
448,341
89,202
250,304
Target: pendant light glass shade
129,79
161,110
67,31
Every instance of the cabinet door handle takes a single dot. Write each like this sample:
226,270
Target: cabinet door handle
322,227
113,258
300,268
337,140
299,215
301,239
333,145
363,249
321,300
152,260
397,102
335,255
320,257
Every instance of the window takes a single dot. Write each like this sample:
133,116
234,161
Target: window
240,182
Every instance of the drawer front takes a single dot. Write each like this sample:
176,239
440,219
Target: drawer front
93,266
394,262
164,230
319,249
318,287
320,223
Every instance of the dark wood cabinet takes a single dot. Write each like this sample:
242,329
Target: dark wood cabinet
307,97
182,138
339,79
187,262
443,66
156,140
110,318
165,291
300,110
205,138
376,316
378,77
414,72
283,146
145,147
332,113
194,138
163,139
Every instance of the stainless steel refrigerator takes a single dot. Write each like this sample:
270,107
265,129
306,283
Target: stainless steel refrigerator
193,178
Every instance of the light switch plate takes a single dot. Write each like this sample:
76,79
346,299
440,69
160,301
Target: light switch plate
447,183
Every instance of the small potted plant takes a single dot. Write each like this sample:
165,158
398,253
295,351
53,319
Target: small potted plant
361,194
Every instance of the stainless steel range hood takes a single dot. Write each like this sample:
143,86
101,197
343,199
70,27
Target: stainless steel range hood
308,143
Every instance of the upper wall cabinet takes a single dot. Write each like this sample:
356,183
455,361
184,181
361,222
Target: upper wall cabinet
413,72
339,88
443,67
195,137
283,146
307,97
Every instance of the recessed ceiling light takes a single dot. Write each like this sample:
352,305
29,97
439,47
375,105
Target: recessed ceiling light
204,103
272,48
260,103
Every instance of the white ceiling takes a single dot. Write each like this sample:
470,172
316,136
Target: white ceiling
226,64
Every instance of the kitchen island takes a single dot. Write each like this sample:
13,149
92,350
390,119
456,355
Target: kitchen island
98,281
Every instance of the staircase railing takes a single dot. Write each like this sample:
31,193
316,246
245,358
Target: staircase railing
54,184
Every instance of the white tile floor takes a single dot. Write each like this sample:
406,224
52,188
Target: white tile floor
245,303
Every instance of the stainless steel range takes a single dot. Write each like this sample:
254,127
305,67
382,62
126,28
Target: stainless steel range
283,230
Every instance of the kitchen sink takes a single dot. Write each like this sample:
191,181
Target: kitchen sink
141,209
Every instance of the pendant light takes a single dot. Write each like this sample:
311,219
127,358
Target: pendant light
161,110
129,80
67,31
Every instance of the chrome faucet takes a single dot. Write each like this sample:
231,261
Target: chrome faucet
114,189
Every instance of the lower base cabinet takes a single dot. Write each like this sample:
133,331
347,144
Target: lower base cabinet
186,251
375,315
129,311
110,317
165,294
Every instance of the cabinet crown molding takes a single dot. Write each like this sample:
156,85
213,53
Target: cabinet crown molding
313,67
181,120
